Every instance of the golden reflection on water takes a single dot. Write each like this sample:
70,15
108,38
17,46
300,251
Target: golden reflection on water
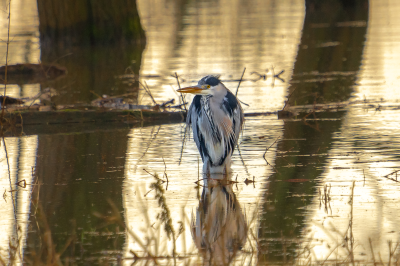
149,146
219,228
194,39
365,150
21,153
24,48
24,41
199,38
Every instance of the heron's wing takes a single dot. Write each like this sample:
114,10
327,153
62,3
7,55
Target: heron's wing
194,118
235,112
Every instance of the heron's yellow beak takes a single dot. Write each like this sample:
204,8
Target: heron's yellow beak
192,89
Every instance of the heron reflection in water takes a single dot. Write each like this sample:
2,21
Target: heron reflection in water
219,230
217,118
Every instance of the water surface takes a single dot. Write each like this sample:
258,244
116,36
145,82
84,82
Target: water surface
325,183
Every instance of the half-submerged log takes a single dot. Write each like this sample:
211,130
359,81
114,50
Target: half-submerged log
68,116
31,73
9,100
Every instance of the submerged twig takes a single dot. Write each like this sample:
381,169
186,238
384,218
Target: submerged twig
287,101
12,196
6,66
264,77
266,153
241,158
240,81
151,140
351,237
147,89
392,173
187,128
278,75
270,147
165,173
153,175
372,251
179,86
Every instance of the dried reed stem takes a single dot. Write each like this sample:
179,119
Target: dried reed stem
240,81
6,67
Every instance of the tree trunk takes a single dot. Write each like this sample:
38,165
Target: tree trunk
79,22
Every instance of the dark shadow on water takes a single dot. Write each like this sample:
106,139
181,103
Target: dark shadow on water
327,63
94,71
330,51
96,42
77,173
301,157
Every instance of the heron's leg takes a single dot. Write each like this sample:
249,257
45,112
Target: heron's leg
227,166
206,167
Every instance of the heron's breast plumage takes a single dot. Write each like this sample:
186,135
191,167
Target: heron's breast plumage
215,126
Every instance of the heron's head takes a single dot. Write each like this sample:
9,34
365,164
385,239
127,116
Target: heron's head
209,85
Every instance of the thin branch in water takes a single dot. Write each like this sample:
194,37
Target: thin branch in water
350,228
153,175
166,104
372,251
198,180
270,147
266,153
240,81
278,75
6,67
53,63
179,86
241,158
243,103
183,143
393,173
264,77
12,196
93,92
21,183
165,173
179,106
147,90
287,101
173,89
273,77
364,177
144,154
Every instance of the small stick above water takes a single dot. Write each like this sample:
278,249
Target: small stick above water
183,97
147,89
240,81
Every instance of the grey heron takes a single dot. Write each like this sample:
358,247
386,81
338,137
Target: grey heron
216,117
219,228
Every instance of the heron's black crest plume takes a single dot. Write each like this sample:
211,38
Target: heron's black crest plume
210,80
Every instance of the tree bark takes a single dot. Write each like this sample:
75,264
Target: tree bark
91,22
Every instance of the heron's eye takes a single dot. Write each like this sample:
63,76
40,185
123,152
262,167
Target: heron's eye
208,86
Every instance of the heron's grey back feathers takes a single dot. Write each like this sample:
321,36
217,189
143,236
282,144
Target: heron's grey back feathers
216,123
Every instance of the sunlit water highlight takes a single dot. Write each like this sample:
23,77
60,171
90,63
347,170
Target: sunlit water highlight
363,149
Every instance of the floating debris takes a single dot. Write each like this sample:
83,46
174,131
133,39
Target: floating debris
9,100
31,73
